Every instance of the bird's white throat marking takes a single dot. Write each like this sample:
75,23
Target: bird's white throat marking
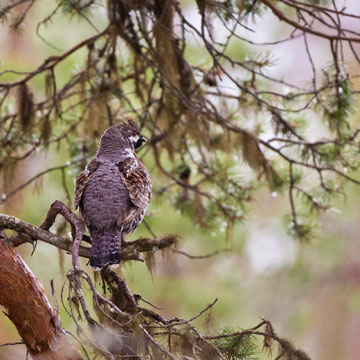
129,153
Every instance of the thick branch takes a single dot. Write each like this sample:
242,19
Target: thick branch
35,232
28,308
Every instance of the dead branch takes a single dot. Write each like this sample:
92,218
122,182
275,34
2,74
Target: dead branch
28,233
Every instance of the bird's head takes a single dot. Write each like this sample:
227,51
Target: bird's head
120,138
131,132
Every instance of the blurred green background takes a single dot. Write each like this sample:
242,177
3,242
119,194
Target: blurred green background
309,291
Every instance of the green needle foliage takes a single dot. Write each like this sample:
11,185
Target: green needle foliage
237,348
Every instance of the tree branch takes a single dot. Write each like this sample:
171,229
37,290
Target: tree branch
28,232
278,13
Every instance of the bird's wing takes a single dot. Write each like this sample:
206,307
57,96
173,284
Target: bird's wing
137,181
82,179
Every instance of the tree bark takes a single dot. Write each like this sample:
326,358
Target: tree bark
29,309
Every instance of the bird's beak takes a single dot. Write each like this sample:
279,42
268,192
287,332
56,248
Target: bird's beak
139,142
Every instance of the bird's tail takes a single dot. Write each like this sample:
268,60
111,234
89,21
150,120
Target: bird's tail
106,248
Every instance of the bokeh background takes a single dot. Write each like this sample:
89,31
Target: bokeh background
309,291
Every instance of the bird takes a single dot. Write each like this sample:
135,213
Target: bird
113,192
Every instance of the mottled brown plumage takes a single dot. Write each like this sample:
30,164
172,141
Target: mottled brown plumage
113,192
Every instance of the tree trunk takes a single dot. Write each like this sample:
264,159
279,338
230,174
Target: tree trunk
28,308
